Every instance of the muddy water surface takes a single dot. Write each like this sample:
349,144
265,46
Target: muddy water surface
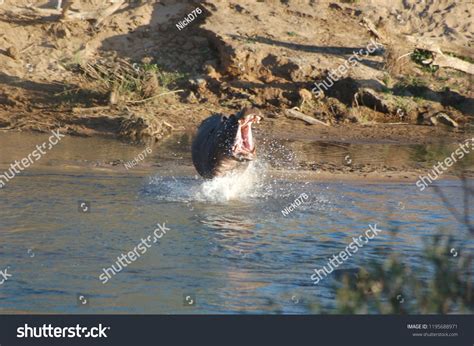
228,246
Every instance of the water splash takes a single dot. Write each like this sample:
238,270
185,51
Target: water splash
235,185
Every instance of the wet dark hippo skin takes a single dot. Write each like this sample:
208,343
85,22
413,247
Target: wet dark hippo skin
212,147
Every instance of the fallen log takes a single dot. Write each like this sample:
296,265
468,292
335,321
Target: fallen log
66,14
442,60
439,58
97,16
294,114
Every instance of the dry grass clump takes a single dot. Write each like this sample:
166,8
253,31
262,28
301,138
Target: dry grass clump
126,82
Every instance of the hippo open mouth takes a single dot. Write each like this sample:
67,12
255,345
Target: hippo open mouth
225,143
244,146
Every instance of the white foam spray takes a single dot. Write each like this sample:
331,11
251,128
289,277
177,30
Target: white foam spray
235,185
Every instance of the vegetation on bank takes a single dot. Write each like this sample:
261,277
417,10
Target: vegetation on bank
397,287
121,82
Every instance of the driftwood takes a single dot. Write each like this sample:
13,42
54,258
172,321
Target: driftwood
442,60
439,58
28,10
97,16
66,14
367,23
155,96
89,109
294,114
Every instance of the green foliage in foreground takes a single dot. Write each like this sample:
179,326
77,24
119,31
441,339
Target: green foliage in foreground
392,287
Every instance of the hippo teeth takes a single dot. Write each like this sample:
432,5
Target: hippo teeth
243,144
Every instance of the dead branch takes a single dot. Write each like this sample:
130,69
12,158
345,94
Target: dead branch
294,114
66,14
367,23
153,97
439,58
89,109
97,16
442,60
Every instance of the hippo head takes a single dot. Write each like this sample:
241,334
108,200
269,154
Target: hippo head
240,143
223,143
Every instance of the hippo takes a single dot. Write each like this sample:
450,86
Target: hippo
223,144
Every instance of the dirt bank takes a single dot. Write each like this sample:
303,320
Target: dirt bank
138,76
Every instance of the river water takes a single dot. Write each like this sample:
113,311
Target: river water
228,247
